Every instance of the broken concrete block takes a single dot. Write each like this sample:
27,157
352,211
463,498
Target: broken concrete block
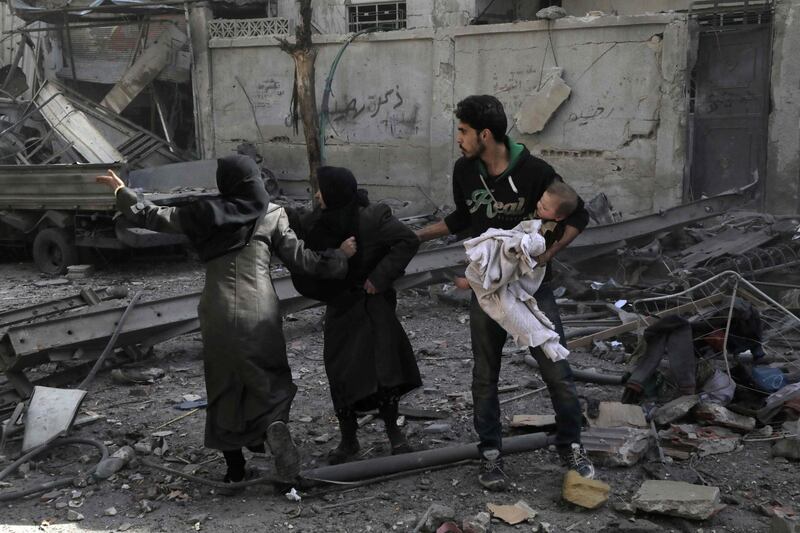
74,516
676,498
788,448
718,415
616,414
616,446
435,516
681,441
588,493
676,409
537,109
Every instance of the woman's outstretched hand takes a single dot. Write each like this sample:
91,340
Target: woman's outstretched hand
112,180
349,247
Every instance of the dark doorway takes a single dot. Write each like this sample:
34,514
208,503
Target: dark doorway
730,97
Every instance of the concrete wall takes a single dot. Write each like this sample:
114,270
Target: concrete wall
783,149
621,131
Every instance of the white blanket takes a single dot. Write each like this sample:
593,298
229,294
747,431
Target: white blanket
502,272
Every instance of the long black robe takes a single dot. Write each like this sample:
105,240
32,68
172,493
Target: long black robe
367,352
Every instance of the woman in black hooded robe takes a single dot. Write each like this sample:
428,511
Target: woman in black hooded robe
368,359
248,380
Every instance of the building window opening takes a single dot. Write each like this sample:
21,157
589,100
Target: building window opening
384,16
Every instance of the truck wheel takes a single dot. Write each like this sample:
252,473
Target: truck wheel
53,251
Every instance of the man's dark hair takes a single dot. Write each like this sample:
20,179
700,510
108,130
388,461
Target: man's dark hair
483,112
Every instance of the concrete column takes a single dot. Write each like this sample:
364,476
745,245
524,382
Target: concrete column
783,149
442,119
673,112
199,15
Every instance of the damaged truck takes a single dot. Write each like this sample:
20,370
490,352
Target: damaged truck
57,210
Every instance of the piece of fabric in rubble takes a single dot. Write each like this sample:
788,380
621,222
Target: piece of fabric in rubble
503,274
670,337
719,388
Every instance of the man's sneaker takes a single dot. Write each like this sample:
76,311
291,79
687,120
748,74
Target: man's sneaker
575,459
284,451
492,476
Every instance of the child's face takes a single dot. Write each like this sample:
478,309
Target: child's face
547,207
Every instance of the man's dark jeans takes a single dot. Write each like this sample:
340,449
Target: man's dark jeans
488,339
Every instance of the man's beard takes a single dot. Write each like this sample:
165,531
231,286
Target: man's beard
478,152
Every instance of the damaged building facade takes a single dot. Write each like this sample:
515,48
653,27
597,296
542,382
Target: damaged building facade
652,103
658,108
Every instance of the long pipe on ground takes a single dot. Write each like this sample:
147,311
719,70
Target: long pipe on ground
381,466
587,376
358,471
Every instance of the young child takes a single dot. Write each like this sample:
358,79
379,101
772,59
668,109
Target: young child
557,203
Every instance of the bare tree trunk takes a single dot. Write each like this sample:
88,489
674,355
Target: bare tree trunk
304,97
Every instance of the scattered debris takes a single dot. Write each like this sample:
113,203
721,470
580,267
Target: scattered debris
683,440
434,516
512,514
717,415
137,375
480,523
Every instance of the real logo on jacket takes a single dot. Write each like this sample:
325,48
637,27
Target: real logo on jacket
483,198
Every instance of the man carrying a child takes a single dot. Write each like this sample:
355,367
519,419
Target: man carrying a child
497,183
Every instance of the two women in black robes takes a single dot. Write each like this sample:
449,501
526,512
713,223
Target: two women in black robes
248,380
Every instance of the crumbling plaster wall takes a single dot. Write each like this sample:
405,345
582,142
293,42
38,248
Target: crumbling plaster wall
783,148
393,97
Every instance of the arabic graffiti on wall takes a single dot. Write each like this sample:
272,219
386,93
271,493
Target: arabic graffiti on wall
387,111
267,93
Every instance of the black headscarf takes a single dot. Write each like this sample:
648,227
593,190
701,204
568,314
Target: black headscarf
332,225
224,223
339,219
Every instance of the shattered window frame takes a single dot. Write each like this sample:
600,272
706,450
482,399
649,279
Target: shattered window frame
385,16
